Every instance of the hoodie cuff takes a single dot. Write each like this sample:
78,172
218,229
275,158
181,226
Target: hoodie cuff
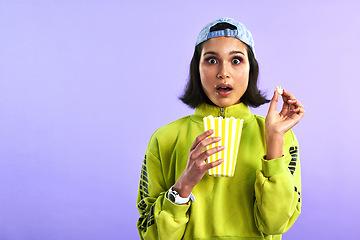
176,210
273,167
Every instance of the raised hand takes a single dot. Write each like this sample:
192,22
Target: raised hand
277,124
196,166
290,114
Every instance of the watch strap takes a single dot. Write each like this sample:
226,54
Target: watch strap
174,197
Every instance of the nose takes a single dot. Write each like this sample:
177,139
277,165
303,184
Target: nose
223,72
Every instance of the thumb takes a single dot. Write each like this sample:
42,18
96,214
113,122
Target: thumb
274,101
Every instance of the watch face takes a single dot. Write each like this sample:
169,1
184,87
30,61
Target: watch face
172,197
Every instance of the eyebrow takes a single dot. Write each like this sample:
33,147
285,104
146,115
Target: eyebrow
231,53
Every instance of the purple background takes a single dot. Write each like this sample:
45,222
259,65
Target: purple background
84,84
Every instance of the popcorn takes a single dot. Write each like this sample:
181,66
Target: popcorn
229,129
279,90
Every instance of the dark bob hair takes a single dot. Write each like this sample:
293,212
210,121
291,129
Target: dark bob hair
194,94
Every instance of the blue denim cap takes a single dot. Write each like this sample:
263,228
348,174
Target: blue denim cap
241,32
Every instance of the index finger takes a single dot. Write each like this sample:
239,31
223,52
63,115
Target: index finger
292,100
200,138
288,95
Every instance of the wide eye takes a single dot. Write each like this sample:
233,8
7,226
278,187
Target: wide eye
236,60
212,60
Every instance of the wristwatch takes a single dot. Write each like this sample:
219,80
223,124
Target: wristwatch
174,197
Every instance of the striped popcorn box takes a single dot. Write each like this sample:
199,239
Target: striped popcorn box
229,129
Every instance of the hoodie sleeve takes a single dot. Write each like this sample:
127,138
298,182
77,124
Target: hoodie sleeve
159,217
277,190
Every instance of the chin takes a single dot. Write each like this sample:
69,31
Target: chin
224,101
225,104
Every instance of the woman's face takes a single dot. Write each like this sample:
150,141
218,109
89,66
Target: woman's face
224,70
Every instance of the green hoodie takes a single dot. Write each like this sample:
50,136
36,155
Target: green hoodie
261,201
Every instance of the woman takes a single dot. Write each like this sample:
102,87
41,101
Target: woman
177,198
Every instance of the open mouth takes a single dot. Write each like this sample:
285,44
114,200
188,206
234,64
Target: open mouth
223,89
